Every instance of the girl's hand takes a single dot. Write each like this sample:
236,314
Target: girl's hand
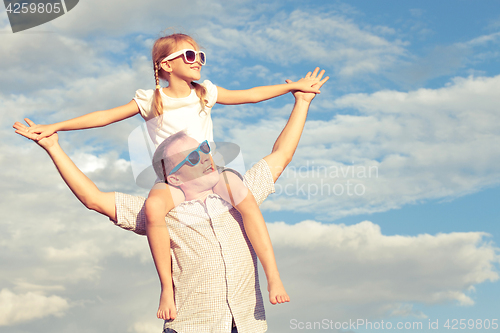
308,84
315,80
46,142
43,131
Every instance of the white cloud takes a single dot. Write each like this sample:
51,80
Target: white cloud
365,274
406,310
16,309
299,36
88,162
421,141
57,241
116,18
146,327
485,39
396,148
22,285
52,245
32,63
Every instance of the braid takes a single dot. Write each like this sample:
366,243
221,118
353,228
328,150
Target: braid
157,102
157,79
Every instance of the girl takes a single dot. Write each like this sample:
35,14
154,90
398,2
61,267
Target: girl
186,105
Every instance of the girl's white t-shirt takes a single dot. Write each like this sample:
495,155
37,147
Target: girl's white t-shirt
178,114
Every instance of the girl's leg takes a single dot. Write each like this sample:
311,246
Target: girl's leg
232,189
162,198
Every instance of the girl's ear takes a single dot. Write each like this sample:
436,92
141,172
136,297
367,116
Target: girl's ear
174,180
166,67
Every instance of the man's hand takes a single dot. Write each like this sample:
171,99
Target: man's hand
314,80
83,188
43,131
45,143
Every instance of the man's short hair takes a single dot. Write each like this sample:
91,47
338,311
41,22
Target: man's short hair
162,163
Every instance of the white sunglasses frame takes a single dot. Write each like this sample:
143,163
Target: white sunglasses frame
183,52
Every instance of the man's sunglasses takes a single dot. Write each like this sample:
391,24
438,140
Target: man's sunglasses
194,157
189,56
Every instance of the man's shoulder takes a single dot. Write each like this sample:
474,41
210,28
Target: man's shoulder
259,180
130,212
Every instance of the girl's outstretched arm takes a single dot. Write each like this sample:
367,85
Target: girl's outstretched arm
259,94
90,120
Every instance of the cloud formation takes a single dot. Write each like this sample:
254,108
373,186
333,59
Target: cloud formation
299,37
15,309
76,272
388,149
358,272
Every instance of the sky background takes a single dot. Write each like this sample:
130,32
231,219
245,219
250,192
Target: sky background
389,211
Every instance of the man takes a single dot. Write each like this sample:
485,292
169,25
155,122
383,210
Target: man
214,267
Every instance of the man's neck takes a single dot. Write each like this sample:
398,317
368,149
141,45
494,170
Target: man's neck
197,195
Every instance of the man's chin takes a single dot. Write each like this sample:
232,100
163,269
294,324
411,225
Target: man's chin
214,177
206,181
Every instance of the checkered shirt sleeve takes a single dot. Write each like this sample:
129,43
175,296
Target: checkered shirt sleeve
130,213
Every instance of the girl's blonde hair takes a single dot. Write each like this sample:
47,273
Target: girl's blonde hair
161,49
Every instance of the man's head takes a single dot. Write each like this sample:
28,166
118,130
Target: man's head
171,154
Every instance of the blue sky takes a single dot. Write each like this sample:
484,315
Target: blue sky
413,98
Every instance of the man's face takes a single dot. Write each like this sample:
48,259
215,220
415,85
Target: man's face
202,176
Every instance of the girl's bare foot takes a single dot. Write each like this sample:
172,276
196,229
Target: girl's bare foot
277,292
166,309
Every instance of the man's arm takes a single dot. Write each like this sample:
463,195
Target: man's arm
286,144
83,188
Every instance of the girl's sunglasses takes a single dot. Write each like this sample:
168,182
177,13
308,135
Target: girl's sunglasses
194,157
189,56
